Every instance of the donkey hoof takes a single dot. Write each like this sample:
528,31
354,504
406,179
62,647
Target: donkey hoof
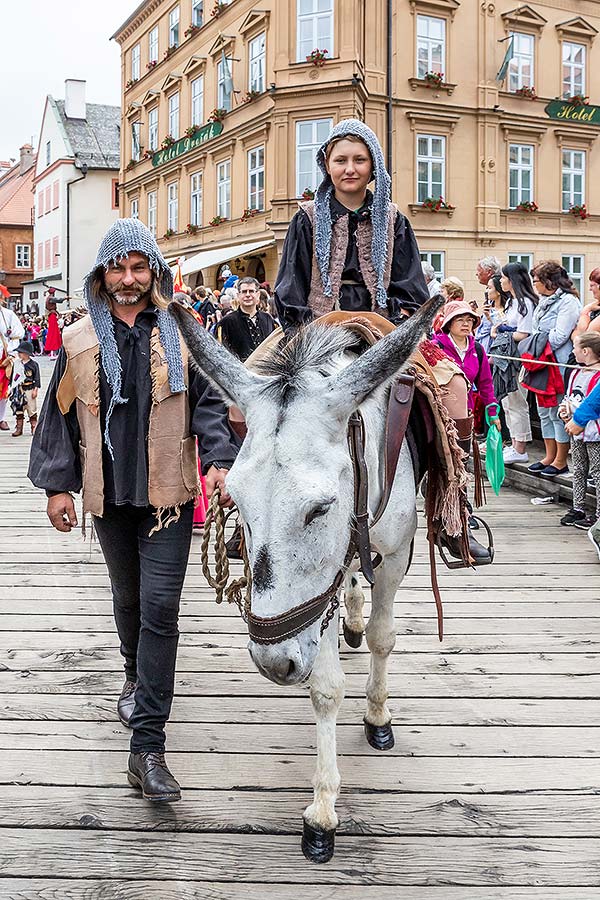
381,737
352,638
317,844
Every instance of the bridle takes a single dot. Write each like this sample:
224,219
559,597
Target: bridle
275,629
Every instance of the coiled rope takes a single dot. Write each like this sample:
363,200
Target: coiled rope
239,590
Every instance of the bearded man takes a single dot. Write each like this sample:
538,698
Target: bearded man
120,423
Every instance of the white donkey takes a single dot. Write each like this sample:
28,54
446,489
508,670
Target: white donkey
293,485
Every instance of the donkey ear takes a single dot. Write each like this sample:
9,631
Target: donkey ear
382,361
235,383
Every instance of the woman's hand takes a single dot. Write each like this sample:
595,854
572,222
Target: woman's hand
573,428
494,331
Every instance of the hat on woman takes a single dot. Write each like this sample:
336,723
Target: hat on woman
457,308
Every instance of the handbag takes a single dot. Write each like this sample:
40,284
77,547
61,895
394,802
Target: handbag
494,460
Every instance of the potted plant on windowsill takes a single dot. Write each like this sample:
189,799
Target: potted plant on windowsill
578,100
435,204
527,206
192,229
434,79
249,214
152,64
169,233
579,211
191,131
148,154
526,92
131,83
317,57
170,51
131,165
217,220
217,115
250,96
192,30
167,141
308,194
218,8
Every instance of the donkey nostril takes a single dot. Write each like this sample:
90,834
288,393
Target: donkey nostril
291,669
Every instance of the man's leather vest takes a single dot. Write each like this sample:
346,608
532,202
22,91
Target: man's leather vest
172,456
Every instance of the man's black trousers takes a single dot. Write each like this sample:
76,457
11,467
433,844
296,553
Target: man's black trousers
146,575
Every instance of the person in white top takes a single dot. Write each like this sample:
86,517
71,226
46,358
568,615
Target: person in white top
433,285
11,334
518,320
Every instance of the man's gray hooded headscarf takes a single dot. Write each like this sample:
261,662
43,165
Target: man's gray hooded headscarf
124,237
379,209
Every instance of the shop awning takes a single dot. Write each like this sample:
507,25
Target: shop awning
207,258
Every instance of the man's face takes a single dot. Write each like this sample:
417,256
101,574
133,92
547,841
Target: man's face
129,279
483,274
248,294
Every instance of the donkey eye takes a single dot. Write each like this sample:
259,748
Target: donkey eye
318,511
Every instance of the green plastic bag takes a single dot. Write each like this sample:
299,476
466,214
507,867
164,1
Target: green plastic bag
494,460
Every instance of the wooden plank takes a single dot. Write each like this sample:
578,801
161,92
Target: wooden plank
541,862
252,684
411,740
121,808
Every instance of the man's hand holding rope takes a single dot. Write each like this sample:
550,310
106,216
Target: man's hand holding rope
215,478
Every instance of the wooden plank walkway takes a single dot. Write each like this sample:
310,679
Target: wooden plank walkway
491,792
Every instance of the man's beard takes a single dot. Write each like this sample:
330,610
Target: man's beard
129,298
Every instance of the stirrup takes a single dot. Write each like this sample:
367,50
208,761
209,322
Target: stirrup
490,547
452,563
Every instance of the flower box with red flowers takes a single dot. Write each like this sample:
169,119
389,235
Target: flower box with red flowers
217,220
578,100
249,214
192,229
317,57
217,115
250,96
148,154
170,51
169,233
152,64
434,79
435,204
130,83
527,206
167,142
579,211
218,9
307,194
192,30
528,93
191,131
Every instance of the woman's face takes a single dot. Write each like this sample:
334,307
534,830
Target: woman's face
492,293
595,290
540,288
505,284
461,326
350,166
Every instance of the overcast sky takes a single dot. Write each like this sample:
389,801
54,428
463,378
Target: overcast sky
42,44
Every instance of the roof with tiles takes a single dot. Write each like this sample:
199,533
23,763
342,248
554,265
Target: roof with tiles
94,140
16,196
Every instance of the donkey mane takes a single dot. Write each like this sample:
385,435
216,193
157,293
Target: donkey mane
313,348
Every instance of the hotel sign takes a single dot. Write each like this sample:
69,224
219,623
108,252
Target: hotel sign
204,134
564,111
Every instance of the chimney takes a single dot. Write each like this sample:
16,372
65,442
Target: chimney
75,99
26,162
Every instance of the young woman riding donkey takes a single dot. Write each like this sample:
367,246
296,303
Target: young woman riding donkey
311,472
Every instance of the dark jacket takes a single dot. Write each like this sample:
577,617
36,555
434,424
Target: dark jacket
237,333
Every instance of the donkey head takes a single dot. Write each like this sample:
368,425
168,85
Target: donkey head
293,479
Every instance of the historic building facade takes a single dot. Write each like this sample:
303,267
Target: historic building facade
225,103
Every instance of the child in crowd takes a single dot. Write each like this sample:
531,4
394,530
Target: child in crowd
25,392
585,446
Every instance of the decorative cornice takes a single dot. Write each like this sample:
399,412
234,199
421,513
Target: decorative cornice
521,130
576,137
443,7
132,110
445,87
524,17
195,64
578,29
139,15
150,97
256,19
172,80
446,121
223,42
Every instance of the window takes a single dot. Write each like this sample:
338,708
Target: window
431,166
520,68
174,115
135,209
435,258
174,27
225,83
573,69
224,189
153,45
197,12
136,131
48,152
315,27
136,53
55,192
152,212
48,199
196,199
256,178
256,54
153,129
520,174
114,185
525,258
198,101
309,137
575,266
431,45
573,179
47,254
55,253
40,203
172,207
40,256
23,256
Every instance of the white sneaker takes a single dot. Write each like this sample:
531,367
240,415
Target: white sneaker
510,455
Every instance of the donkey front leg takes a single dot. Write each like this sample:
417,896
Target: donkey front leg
326,692
354,601
381,638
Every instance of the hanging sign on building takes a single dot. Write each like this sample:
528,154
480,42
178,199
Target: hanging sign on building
204,134
581,113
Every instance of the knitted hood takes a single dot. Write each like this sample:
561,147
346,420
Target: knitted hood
379,208
127,236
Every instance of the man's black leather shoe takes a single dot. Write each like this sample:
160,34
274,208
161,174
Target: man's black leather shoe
149,772
126,703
